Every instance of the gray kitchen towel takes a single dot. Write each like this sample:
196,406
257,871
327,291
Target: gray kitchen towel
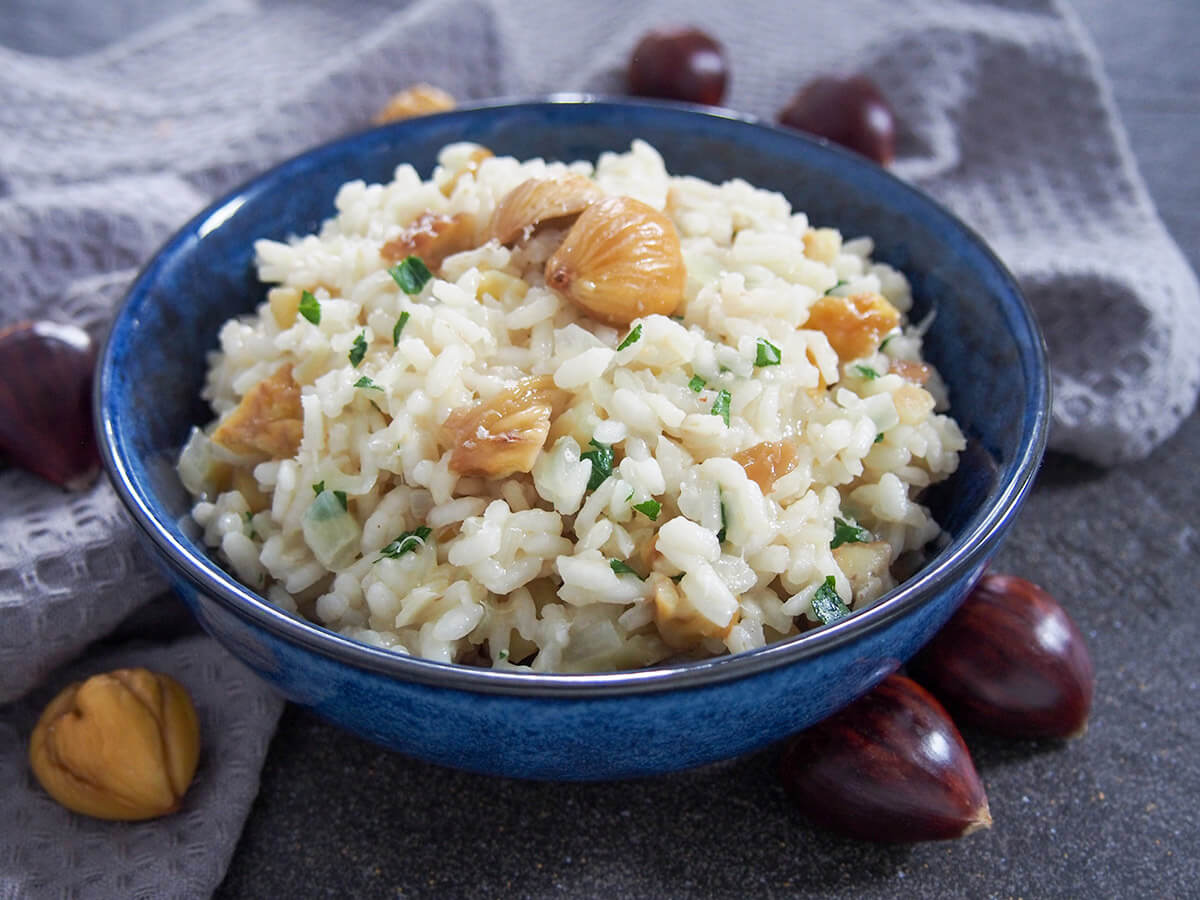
121,120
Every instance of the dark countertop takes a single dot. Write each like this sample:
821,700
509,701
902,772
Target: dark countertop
1111,815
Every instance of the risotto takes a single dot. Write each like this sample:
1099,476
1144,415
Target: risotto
569,418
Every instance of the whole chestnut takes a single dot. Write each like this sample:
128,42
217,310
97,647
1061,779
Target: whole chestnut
1012,662
121,745
890,767
46,402
848,111
680,63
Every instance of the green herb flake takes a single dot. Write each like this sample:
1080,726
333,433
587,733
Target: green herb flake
827,605
250,532
623,568
677,318
359,350
884,342
720,406
310,307
341,498
602,463
879,437
840,283
847,533
411,274
697,384
632,338
318,487
766,353
724,523
367,383
650,509
866,372
408,542
399,327
502,655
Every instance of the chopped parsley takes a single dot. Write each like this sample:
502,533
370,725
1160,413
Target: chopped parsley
632,338
697,384
840,283
399,327
827,605
650,509
866,372
359,350
408,542
724,523
411,274
720,406
341,498
623,568
367,383
319,487
884,342
602,463
502,655
879,437
250,532
310,307
846,533
766,354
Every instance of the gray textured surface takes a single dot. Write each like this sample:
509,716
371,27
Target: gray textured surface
1111,815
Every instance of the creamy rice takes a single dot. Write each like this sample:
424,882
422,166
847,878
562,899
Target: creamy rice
351,509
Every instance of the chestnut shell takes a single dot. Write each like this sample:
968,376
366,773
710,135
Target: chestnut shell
1012,662
679,63
889,767
46,402
848,111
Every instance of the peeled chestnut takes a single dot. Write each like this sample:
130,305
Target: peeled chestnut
678,64
1011,661
122,745
46,402
848,111
889,767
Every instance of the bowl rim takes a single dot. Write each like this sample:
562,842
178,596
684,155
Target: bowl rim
206,576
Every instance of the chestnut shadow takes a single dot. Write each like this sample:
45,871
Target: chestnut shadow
996,751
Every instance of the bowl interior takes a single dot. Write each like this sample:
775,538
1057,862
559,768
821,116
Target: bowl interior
982,339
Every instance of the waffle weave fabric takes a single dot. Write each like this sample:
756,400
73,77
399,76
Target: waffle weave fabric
122,120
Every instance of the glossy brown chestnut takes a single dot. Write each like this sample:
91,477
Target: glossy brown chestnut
848,111
889,767
1011,661
678,64
46,402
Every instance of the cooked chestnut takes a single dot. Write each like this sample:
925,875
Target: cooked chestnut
889,767
46,402
1011,661
681,63
848,111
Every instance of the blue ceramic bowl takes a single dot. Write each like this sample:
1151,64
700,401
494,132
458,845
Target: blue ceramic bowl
984,341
